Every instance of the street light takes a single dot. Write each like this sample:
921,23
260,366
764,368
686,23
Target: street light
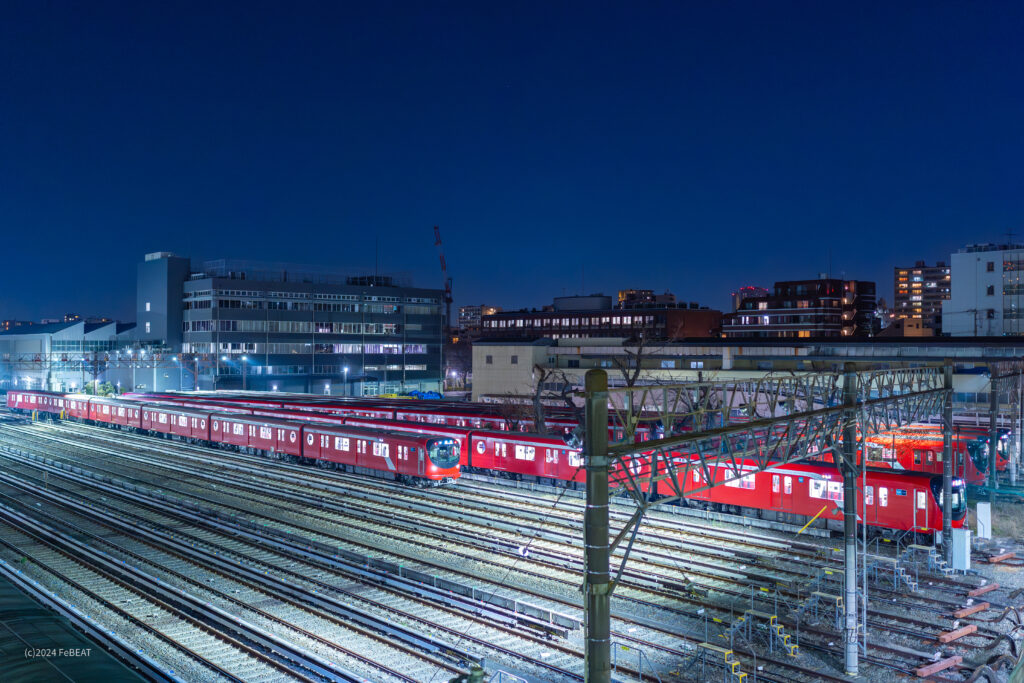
181,374
245,359
347,392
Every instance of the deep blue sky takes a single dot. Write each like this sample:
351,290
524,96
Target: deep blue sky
691,146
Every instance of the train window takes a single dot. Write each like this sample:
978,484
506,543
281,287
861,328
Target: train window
869,495
525,452
788,485
341,443
696,477
817,488
744,482
835,491
883,496
917,457
775,483
920,500
575,459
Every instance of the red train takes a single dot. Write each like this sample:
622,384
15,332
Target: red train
398,455
789,490
469,415
979,434
895,499
906,501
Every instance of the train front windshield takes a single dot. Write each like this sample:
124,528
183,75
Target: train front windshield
978,450
958,501
443,453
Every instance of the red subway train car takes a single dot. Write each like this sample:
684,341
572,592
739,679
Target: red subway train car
906,501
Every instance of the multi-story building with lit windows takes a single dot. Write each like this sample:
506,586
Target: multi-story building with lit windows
918,293
471,318
826,307
987,291
582,317
278,327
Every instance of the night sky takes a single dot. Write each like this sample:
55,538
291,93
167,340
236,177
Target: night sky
695,146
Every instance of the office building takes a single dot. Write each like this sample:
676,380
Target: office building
283,327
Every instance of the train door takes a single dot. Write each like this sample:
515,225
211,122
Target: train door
550,462
920,508
421,466
787,492
869,503
776,492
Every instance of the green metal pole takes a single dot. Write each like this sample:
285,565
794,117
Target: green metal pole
947,463
849,470
993,438
597,582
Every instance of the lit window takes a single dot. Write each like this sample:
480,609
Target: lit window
147,306
147,328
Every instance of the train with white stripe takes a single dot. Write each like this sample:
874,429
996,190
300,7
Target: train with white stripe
404,456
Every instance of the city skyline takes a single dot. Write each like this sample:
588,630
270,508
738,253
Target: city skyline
562,151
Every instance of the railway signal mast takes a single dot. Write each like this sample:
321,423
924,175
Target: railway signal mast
447,281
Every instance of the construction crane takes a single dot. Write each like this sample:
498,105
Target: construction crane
446,280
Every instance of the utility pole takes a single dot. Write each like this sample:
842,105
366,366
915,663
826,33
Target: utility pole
993,437
849,470
597,581
1015,458
947,463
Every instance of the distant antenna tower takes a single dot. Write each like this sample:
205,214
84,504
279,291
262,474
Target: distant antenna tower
447,281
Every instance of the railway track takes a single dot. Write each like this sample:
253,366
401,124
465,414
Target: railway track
470,511
672,651
188,647
319,578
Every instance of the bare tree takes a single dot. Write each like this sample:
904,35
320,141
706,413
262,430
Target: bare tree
514,411
631,368
543,377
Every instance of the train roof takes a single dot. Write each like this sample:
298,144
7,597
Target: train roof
256,420
361,432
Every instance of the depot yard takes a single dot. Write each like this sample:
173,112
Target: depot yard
219,564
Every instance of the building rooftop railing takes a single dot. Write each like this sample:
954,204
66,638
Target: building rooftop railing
265,271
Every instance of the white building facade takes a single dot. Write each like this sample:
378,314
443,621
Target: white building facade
987,297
